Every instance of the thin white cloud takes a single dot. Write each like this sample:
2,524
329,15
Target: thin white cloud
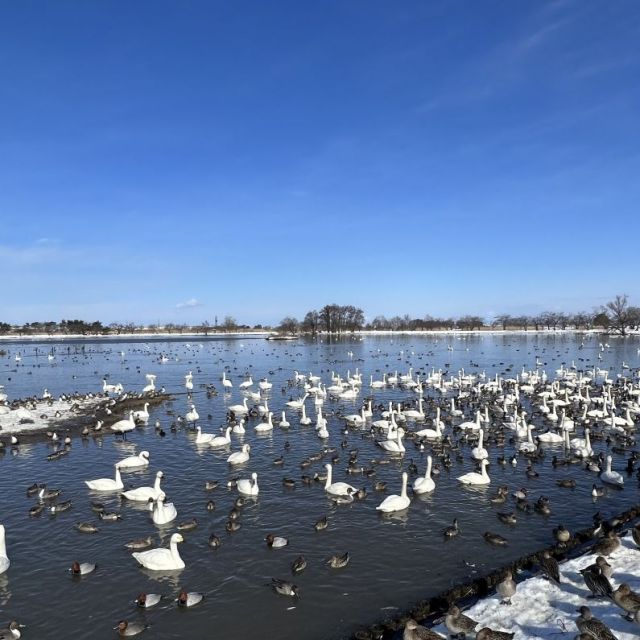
189,304
38,253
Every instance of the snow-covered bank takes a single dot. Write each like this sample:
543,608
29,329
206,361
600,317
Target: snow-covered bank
45,414
45,337
541,609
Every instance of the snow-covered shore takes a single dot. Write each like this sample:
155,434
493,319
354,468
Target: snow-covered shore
541,609
45,414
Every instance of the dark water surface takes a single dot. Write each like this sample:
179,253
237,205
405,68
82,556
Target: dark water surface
394,560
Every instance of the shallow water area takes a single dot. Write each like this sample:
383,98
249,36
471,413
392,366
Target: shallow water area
394,560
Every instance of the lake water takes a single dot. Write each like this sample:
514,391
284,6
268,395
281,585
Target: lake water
395,561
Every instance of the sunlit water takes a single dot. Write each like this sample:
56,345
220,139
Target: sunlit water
394,561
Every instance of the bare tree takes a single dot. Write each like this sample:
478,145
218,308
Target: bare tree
618,312
288,325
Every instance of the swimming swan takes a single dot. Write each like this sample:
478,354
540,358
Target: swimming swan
249,486
106,484
396,503
425,484
143,494
336,488
611,477
134,462
162,559
221,441
476,478
238,457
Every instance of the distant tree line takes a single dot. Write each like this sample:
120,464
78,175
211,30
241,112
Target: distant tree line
617,316
81,327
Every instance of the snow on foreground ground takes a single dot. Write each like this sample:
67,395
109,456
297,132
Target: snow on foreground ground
44,415
540,609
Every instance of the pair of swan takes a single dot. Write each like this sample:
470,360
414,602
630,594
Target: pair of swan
162,559
144,494
106,484
393,446
433,434
162,512
477,478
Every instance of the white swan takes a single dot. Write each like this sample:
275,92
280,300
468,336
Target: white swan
611,477
203,438
528,446
336,488
162,559
476,478
238,457
162,512
305,420
479,452
284,423
240,409
425,484
396,503
249,486
227,384
192,415
473,426
134,462
238,428
393,446
151,379
221,441
356,419
265,427
111,388
551,438
142,415
122,426
433,434
143,494
582,446
299,403
4,558
246,384
106,484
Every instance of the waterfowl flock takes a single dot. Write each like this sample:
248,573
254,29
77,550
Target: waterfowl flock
379,452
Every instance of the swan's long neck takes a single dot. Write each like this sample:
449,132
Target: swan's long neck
173,546
3,544
427,473
118,479
484,473
327,484
481,440
156,485
404,486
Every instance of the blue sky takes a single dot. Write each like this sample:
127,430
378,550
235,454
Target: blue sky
172,161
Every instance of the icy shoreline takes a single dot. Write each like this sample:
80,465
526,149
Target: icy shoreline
541,609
